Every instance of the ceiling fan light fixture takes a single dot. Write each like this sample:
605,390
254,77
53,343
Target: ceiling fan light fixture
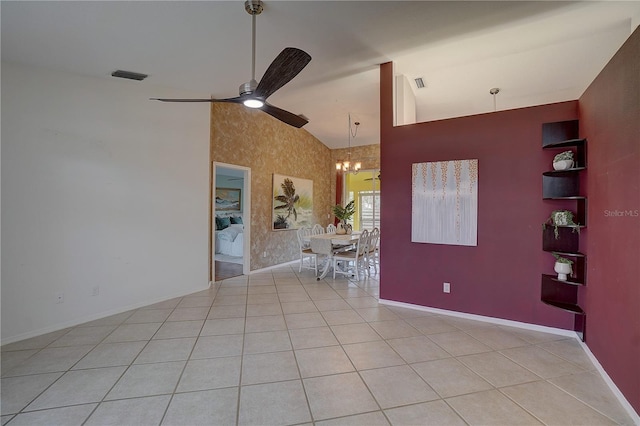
253,103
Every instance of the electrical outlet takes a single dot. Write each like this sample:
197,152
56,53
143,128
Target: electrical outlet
59,297
446,287
95,290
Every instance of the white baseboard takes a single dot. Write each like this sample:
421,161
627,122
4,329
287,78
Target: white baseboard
523,325
623,401
492,320
94,317
268,268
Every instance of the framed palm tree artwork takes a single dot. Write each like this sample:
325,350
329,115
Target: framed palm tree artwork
292,202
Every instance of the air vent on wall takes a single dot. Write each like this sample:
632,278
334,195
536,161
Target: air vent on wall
419,82
129,74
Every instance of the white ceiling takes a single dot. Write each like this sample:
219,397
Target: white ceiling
535,52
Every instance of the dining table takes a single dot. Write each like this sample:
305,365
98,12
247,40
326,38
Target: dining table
337,241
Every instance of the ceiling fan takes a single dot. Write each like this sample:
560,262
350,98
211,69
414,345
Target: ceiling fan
374,178
281,71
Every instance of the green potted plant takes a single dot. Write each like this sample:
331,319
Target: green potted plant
563,161
561,218
562,267
344,214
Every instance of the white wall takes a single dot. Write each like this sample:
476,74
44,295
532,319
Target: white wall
405,102
101,187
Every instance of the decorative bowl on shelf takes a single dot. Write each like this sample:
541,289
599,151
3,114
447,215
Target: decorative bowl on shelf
562,164
563,161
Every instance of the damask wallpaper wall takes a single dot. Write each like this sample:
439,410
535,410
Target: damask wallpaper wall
253,139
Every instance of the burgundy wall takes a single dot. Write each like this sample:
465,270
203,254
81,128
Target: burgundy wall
501,276
610,120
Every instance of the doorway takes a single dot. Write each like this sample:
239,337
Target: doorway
364,189
230,221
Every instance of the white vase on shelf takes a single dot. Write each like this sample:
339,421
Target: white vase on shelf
563,270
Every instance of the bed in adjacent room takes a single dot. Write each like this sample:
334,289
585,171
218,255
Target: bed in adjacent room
229,236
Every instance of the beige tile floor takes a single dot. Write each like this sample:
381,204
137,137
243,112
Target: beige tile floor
281,348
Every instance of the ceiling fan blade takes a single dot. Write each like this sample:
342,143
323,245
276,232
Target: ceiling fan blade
284,116
236,100
281,71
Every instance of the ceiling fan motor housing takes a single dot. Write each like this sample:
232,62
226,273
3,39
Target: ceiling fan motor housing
248,87
253,7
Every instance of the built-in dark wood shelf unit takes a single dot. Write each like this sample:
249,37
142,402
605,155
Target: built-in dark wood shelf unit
565,185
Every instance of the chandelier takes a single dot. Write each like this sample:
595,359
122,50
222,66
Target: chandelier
347,165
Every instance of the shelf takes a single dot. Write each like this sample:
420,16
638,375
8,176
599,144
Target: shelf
557,293
559,132
578,207
564,144
565,198
568,240
578,277
563,172
572,227
566,306
566,253
570,281
565,185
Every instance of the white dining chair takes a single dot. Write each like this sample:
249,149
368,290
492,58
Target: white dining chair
352,261
317,229
331,228
323,250
305,251
373,251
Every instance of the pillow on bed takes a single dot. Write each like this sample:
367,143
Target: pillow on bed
229,234
222,223
236,220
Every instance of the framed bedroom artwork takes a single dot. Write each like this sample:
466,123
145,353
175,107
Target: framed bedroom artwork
292,202
444,202
228,200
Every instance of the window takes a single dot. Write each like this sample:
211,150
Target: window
369,209
364,188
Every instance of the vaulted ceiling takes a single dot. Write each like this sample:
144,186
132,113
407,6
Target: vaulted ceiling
535,52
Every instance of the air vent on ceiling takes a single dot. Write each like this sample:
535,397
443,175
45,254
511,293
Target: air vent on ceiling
419,82
129,74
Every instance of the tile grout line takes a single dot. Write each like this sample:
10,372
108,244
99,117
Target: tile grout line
204,322
130,364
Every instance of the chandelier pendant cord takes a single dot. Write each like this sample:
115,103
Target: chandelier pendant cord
347,166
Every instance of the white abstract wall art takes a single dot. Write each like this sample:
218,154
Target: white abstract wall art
444,202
